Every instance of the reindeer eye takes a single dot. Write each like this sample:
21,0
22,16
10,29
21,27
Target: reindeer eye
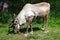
16,21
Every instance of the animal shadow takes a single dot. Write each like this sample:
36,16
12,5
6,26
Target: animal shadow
34,29
23,30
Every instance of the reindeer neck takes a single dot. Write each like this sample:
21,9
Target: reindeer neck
21,17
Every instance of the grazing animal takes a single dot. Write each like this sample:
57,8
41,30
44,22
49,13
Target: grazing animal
29,11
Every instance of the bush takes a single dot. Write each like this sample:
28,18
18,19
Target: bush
5,17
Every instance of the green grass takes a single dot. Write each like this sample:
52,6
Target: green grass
53,27
53,34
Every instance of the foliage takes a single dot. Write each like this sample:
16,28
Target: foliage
5,17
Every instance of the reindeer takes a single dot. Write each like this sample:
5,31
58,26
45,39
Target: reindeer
29,11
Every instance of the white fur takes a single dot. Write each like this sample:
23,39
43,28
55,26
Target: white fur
25,13
21,17
31,10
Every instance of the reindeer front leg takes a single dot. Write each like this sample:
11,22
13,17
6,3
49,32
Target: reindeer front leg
46,24
43,29
29,24
31,29
26,33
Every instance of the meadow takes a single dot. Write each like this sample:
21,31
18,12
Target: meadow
53,27
53,22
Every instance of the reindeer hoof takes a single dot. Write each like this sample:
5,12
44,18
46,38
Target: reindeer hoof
31,32
46,31
25,35
43,29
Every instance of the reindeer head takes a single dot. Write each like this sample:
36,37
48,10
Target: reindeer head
13,21
14,24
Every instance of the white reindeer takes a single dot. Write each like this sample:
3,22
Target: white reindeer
29,11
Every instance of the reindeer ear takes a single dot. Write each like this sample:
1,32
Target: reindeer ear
14,16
